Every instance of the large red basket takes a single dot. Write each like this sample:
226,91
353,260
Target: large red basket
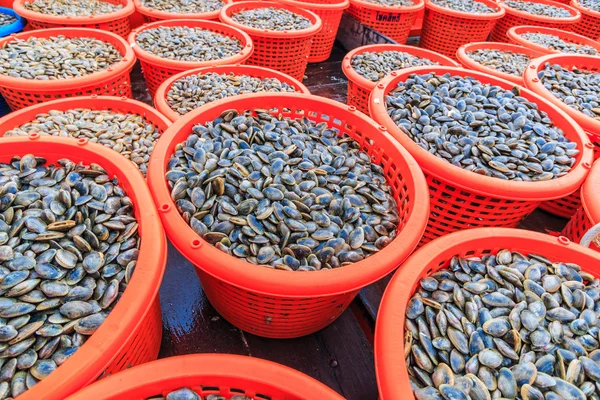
469,63
131,334
284,51
115,22
567,206
160,100
152,15
113,81
285,304
517,18
390,364
157,69
330,12
461,199
217,374
514,35
393,22
589,24
359,87
445,30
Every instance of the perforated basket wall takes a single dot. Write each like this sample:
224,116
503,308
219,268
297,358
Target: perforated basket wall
393,22
589,24
578,225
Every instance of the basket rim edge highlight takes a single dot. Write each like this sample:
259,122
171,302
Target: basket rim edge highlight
515,32
575,13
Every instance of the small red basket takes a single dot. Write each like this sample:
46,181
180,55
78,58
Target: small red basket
160,100
113,81
567,206
393,22
115,22
132,332
157,69
445,30
469,63
209,374
152,15
390,363
462,199
359,87
589,24
514,35
284,51
286,304
518,18
330,12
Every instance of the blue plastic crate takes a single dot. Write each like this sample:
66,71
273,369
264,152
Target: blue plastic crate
15,26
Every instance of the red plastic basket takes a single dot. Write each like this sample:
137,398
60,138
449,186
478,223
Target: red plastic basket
589,24
390,363
514,34
131,334
115,22
359,87
113,81
152,15
517,18
330,12
217,374
284,51
157,69
461,199
469,63
393,22
286,304
160,101
445,30
567,206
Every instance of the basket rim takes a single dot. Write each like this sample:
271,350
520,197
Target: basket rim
390,365
316,26
251,70
575,14
584,10
15,26
162,15
487,185
589,194
515,33
94,102
124,12
146,56
533,83
469,63
193,367
340,5
461,14
269,281
121,67
368,84
102,347
418,6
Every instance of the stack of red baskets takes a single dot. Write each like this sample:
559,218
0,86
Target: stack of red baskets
589,24
515,35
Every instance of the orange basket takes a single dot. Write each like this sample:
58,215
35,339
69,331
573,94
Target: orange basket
285,304
445,30
517,18
131,334
113,81
589,24
115,22
393,22
284,51
209,374
462,199
514,34
469,63
567,206
359,87
330,12
158,69
390,363
160,100
152,15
